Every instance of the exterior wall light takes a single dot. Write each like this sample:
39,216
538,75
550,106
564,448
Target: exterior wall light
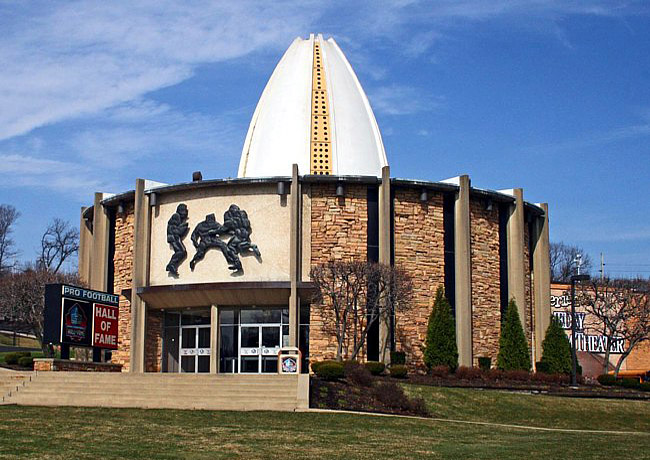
153,199
340,190
282,190
424,195
488,205
120,207
197,176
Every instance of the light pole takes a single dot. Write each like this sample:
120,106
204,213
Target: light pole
574,359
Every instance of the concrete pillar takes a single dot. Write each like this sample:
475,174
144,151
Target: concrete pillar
463,262
516,265
142,219
384,255
214,339
541,279
295,269
99,258
85,248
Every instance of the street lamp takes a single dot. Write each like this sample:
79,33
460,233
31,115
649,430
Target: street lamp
574,359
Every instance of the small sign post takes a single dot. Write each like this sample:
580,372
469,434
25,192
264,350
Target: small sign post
289,359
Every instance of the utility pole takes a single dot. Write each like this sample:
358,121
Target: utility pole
602,267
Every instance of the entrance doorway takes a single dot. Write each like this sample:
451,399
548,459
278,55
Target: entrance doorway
195,348
259,347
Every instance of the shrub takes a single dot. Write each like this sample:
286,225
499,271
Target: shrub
331,370
14,357
645,386
513,346
375,367
397,357
630,383
606,380
556,354
399,372
495,375
440,371
358,375
26,361
440,344
485,363
315,365
542,367
468,373
392,395
550,378
518,375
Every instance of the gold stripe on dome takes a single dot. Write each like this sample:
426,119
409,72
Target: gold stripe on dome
321,162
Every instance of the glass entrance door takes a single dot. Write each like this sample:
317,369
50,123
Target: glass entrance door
259,346
195,348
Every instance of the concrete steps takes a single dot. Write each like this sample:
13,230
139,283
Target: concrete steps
10,381
173,391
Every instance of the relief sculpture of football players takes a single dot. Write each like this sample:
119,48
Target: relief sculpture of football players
205,236
177,228
236,223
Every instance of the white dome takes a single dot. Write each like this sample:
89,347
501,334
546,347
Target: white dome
313,112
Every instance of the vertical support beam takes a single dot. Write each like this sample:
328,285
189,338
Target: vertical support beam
384,256
99,258
541,279
142,217
295,270
85,248
516,265
214,339
462,254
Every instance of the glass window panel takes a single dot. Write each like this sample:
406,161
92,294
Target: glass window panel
250,336
204,363
195,318
170,350
228,341
303,344
285,336
260,316
271,337
228,365
285,316
188,363
249,364
204,337
228,316
172,319
270,365
188,338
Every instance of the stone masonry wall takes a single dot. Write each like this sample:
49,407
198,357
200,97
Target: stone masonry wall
486,312
153,341
123,265
339,230
419,249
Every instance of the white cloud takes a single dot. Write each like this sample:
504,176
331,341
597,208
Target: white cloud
402,100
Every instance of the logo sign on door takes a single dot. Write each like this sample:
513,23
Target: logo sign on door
105,326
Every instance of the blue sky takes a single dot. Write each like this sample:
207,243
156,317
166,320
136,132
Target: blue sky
551,96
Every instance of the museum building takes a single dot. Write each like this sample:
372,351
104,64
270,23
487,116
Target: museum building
213,275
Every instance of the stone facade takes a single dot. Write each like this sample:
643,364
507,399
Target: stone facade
153,341
123,272
65,365
486,299
339,230
419,250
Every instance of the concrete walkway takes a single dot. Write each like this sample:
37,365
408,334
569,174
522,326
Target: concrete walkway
469,422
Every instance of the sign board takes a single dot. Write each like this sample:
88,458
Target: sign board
80,317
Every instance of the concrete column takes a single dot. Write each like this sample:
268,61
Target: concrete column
295,269
142,219
516,265
384,256
214,339
99,258
541,279
463,262
85,248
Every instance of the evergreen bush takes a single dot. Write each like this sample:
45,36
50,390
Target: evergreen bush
556,354
513,346
606,379
485,363
397,357
375,367
440,344
332,370
26,361
399,371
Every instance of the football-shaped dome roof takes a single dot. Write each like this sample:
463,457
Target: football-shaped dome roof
313,112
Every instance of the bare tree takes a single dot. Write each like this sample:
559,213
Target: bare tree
59,242
620,311
8,216
353,296
563,264
22,298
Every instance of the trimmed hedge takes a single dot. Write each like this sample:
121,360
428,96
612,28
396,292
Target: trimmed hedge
375,367
606,379
329,370
26,361
397,357
399,371
13,358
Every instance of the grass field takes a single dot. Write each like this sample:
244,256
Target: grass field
31,432
28,342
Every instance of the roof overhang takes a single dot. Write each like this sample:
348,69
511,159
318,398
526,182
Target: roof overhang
225,293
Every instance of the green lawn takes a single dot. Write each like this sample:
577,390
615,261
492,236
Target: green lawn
7,339
34,432
536,410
